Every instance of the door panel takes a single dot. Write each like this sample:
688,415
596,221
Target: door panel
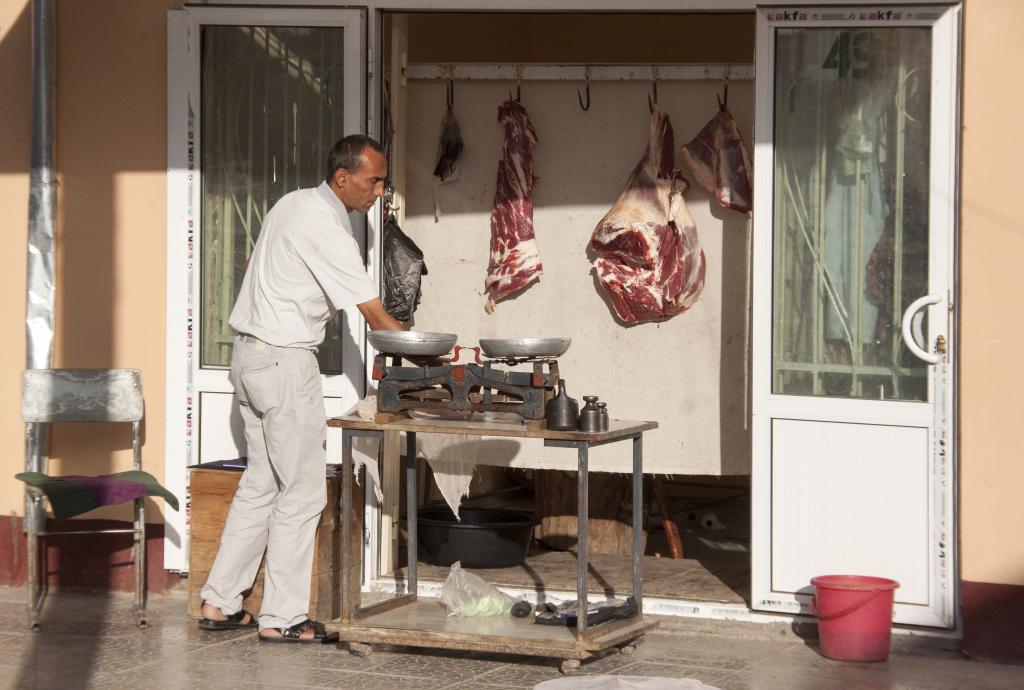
216,442
256,98
824,472
854,166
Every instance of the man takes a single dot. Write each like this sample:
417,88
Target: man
304,268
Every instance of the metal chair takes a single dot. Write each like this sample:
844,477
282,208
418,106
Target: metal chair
79,395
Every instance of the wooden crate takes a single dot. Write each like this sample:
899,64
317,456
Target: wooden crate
211,491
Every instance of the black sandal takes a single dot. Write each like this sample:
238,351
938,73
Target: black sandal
235,621
294,633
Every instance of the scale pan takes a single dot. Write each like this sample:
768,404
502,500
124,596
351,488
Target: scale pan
412,342
525,347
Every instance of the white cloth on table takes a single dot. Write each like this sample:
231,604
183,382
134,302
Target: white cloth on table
452,458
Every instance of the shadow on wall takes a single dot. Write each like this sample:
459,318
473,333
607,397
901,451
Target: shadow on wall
110,120
104,127
583,160
735,367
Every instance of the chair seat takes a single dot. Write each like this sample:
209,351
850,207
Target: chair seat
71,495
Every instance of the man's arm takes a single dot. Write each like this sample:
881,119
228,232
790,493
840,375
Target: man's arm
378,318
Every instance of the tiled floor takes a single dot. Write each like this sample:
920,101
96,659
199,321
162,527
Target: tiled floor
90,641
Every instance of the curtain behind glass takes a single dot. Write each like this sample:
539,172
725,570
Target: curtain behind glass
271,110
851,209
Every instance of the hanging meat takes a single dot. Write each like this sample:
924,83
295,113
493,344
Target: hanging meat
649,259
515,258
449,151
720,162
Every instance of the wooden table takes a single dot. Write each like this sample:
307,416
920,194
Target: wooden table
404,620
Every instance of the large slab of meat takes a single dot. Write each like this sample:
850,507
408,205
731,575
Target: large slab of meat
515,258
720,162
649,259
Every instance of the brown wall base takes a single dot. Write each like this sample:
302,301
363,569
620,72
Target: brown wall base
93,562
992,621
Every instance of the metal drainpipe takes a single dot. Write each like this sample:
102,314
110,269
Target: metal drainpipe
42,221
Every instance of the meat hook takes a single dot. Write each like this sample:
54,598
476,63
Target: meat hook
654,88
586,76
723,101
451,93
519,83
652,103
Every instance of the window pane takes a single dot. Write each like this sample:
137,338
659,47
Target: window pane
271,110
851,209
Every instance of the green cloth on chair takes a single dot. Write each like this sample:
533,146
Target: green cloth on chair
71,495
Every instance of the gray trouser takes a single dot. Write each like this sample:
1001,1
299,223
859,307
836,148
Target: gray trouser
282,491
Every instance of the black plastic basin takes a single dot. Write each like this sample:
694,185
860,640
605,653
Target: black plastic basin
484,539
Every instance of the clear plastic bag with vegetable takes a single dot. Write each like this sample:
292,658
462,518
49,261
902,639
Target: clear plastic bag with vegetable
466,594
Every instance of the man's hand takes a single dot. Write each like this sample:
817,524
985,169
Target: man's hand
378,318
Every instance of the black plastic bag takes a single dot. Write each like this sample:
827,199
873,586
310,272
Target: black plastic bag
403,269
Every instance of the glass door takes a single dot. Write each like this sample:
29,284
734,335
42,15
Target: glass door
851,198
271,108
256,99
854,229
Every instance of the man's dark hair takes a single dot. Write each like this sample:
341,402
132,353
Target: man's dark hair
345,153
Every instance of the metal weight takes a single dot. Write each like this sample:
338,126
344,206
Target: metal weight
590,415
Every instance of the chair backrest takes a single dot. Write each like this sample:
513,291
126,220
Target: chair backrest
81,395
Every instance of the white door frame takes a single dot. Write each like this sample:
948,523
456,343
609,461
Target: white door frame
185,379
766,406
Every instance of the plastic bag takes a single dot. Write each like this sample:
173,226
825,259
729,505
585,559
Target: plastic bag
403,269
466,594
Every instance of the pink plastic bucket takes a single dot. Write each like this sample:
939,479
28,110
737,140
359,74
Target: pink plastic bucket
854,616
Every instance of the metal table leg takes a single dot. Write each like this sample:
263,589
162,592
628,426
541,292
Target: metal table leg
411,546
348,606
638,522
582,540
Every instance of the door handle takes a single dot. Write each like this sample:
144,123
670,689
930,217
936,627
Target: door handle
908,323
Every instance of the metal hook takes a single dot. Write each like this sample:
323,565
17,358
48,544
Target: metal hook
654,88
451,93
586,76
723,102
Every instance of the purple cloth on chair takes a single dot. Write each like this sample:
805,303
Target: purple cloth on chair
108,490
71,495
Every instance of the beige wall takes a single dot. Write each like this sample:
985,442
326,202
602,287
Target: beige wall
15,109
692,366
992,283
111,160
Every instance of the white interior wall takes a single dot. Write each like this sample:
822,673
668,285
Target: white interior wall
687,373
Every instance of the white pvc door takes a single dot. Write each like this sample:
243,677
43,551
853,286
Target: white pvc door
853,272
256,99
